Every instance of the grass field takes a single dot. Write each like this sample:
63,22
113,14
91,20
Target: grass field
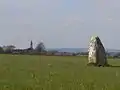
56,73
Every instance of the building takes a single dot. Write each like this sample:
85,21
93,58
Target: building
23,51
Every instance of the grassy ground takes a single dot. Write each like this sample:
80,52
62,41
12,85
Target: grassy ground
56,73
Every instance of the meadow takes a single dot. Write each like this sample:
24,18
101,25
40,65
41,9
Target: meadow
25,72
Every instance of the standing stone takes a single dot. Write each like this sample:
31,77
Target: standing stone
96,52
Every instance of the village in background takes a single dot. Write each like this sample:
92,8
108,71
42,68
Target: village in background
40,49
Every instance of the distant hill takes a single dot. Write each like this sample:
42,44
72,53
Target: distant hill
78,50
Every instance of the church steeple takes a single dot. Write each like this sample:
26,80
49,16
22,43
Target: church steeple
31,44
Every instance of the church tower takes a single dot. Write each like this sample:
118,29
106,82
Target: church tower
31,45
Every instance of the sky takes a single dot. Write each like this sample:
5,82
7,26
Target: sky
59,23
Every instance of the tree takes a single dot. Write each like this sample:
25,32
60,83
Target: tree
40,47
8,49
1,50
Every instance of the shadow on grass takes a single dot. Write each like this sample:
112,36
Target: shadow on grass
108,65
114,66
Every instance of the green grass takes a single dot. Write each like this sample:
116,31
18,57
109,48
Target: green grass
56,73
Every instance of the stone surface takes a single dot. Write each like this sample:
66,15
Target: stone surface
96,52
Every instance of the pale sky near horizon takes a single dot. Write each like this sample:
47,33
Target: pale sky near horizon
59,23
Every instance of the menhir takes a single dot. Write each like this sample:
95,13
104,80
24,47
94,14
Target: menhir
96,53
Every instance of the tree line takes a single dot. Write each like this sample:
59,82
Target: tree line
12,49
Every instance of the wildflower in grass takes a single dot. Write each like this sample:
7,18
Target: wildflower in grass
49,65
51,73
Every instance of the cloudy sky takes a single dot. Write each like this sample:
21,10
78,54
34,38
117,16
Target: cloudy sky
59,23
